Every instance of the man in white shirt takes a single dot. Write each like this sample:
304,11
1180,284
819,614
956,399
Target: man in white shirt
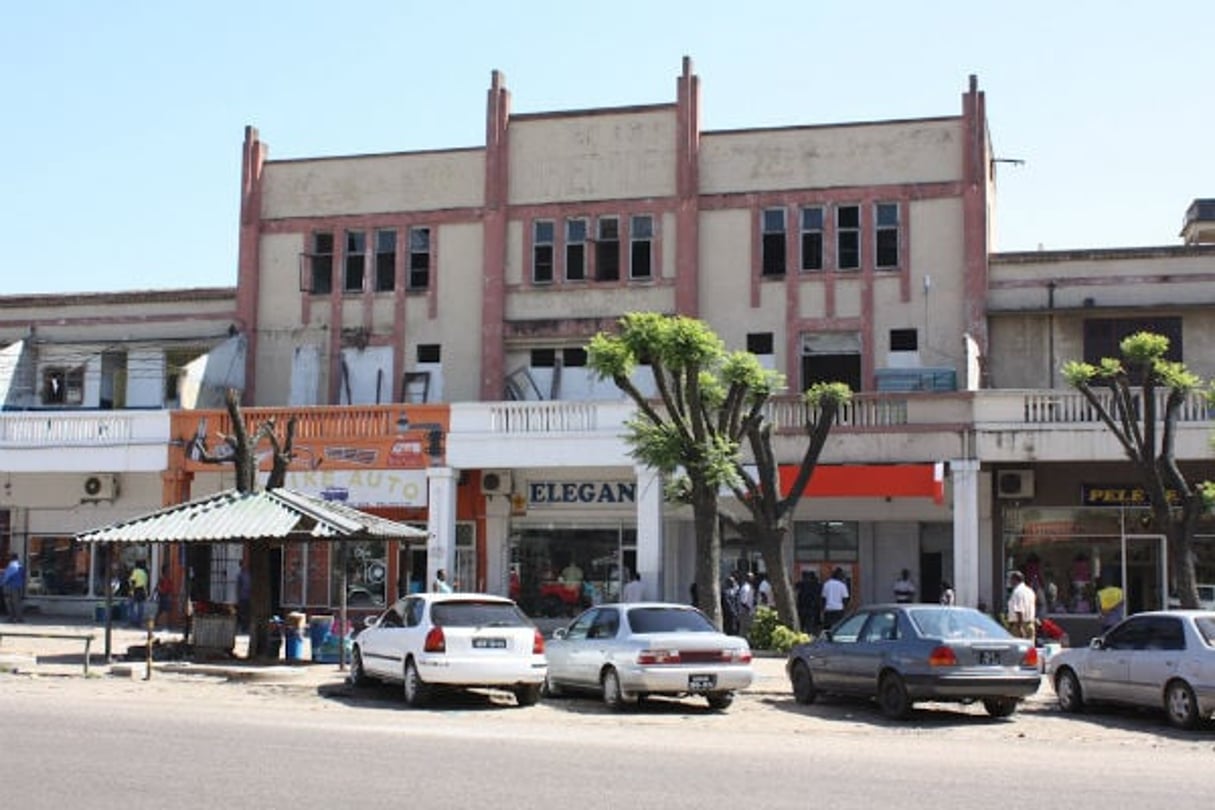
746,605
763,592
1022,612
904,588
634,591
835,598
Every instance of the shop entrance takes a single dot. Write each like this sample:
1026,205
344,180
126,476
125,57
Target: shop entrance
558,571
1145,577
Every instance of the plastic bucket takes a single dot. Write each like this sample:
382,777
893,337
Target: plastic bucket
319,628
295,645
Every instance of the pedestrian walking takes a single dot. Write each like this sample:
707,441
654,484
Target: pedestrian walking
835,598
14,588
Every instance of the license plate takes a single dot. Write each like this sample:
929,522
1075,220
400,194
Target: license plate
701,683
989,657
489,644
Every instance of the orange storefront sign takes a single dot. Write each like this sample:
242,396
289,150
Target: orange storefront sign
870,481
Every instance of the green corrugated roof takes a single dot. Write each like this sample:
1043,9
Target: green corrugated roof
230,516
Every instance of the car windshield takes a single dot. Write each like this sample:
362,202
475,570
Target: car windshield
471,613
669,620
946,622
1206,628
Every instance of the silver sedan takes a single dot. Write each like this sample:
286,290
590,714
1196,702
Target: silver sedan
627,652
1159,659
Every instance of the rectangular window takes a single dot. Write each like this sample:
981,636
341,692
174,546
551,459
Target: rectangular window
322,263
544,358
573,358
887,235
575,250
356,260
542,252
63,386
607,250
1103,336
641,247
428,353
848,237
812,238
904,340
385,260
419,258
759,342
773,244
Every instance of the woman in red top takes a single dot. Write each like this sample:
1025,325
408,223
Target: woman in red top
164,596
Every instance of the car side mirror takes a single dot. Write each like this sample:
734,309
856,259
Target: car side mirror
830,636
559,633
371,621
1097,643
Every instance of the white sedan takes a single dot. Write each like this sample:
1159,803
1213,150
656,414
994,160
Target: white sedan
627,652
430,640
1159,659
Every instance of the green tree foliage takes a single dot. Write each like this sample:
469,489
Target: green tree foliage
1124,393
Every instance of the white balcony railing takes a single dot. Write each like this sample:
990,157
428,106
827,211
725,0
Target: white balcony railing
55,429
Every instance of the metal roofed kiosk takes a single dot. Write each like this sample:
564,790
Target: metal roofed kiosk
272,516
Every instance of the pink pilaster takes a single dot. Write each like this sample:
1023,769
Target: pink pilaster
493,291
976,165
687,182
248,277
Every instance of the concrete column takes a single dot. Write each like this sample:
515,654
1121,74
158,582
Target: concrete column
649,531
441,523
497,535
964,474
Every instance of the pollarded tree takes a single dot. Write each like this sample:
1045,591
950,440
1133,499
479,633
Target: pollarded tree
241,450
770,514
1123,392
710,400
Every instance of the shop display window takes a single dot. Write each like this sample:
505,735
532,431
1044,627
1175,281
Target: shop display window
560,571
57,566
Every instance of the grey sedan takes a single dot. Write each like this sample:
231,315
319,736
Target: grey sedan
1159,659
627,652
905,653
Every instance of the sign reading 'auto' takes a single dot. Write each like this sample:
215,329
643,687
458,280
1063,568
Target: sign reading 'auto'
581,493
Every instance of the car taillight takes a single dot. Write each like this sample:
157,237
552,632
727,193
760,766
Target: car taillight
538,643
1031,658
942,656
658,657
736,656
435,642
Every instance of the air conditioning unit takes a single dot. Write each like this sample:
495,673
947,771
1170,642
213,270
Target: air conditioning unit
99,487
495,482
1015,484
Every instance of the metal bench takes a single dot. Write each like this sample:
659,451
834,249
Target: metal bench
87,638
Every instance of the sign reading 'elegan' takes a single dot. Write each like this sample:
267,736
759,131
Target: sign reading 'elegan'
581,493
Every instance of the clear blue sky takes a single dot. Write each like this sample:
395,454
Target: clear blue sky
123,120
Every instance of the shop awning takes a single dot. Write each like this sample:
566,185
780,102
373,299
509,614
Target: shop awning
870,481
232,516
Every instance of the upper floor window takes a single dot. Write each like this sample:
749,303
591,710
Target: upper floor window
385,260
812,238
641,239
607,250
887,235
848,237
575,249
356,260
773,244
1103,336
322,264
419,258
542,252
63,386
904,340
759,342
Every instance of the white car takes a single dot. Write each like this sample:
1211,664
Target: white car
430,640
1160,659
627,652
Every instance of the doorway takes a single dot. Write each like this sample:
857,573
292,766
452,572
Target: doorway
1145,572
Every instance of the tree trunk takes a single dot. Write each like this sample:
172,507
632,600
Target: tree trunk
259,601
708,552
1183,575
770,546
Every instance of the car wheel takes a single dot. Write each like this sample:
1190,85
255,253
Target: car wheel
892,697
550,689
1180,705
613,698
1067,690
720,701
1000,706
803,684
358,674
417,691
527,695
